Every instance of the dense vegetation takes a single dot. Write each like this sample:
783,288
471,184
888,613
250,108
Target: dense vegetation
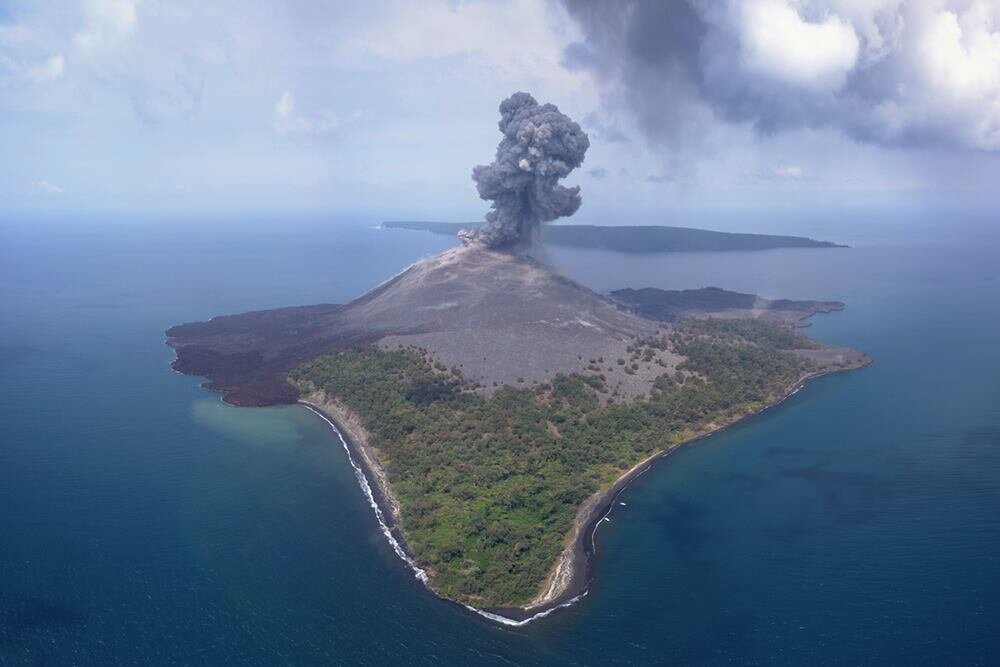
639,238
489,486
760,332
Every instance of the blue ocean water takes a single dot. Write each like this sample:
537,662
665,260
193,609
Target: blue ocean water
144,522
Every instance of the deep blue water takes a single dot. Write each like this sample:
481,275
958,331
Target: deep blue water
142,521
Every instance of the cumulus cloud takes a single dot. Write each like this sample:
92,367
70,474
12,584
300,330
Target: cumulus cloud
48,70
890,72
134,49
22,56
490,45
38,72
407,32
107,22
285,105
777,43
287,120
46,188
789,171
784,176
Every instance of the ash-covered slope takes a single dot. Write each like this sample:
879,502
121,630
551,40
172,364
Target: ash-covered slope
498,316
473,287
504,319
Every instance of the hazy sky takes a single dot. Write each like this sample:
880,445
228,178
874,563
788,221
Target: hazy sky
193,107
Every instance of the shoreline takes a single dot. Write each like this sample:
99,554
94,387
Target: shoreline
377,498
574,570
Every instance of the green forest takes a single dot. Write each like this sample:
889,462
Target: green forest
488,486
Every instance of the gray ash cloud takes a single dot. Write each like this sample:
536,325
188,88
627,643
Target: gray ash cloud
540,146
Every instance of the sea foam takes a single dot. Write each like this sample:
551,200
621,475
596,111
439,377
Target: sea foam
419,572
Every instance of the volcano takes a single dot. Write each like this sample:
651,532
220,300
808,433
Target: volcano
501,317
479,384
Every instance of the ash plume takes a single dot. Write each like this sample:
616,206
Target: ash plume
540,146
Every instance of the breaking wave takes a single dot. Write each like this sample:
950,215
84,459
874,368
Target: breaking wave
418,571
359,474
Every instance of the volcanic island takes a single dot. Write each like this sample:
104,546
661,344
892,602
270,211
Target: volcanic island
497,408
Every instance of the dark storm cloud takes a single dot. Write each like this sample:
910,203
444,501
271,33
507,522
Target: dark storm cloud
893,72
604,130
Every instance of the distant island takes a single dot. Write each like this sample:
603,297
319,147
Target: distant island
675,305
496,408
637,238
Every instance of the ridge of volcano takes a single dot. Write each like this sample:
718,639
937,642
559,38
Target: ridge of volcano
499,316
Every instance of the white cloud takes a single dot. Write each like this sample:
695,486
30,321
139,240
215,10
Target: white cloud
520,41
877,23
285,105
41,72
894,72
941,78
46,188
782,173
959,55
227,81
514,31
788,172
778,43
49,70
287,121
107,22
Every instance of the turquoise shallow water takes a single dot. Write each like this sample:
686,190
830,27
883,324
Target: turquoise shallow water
142,521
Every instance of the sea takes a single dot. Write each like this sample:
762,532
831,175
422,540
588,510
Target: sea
144,522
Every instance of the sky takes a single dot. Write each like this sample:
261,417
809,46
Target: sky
195,108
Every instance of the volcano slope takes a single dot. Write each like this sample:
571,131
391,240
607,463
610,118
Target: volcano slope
496,406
